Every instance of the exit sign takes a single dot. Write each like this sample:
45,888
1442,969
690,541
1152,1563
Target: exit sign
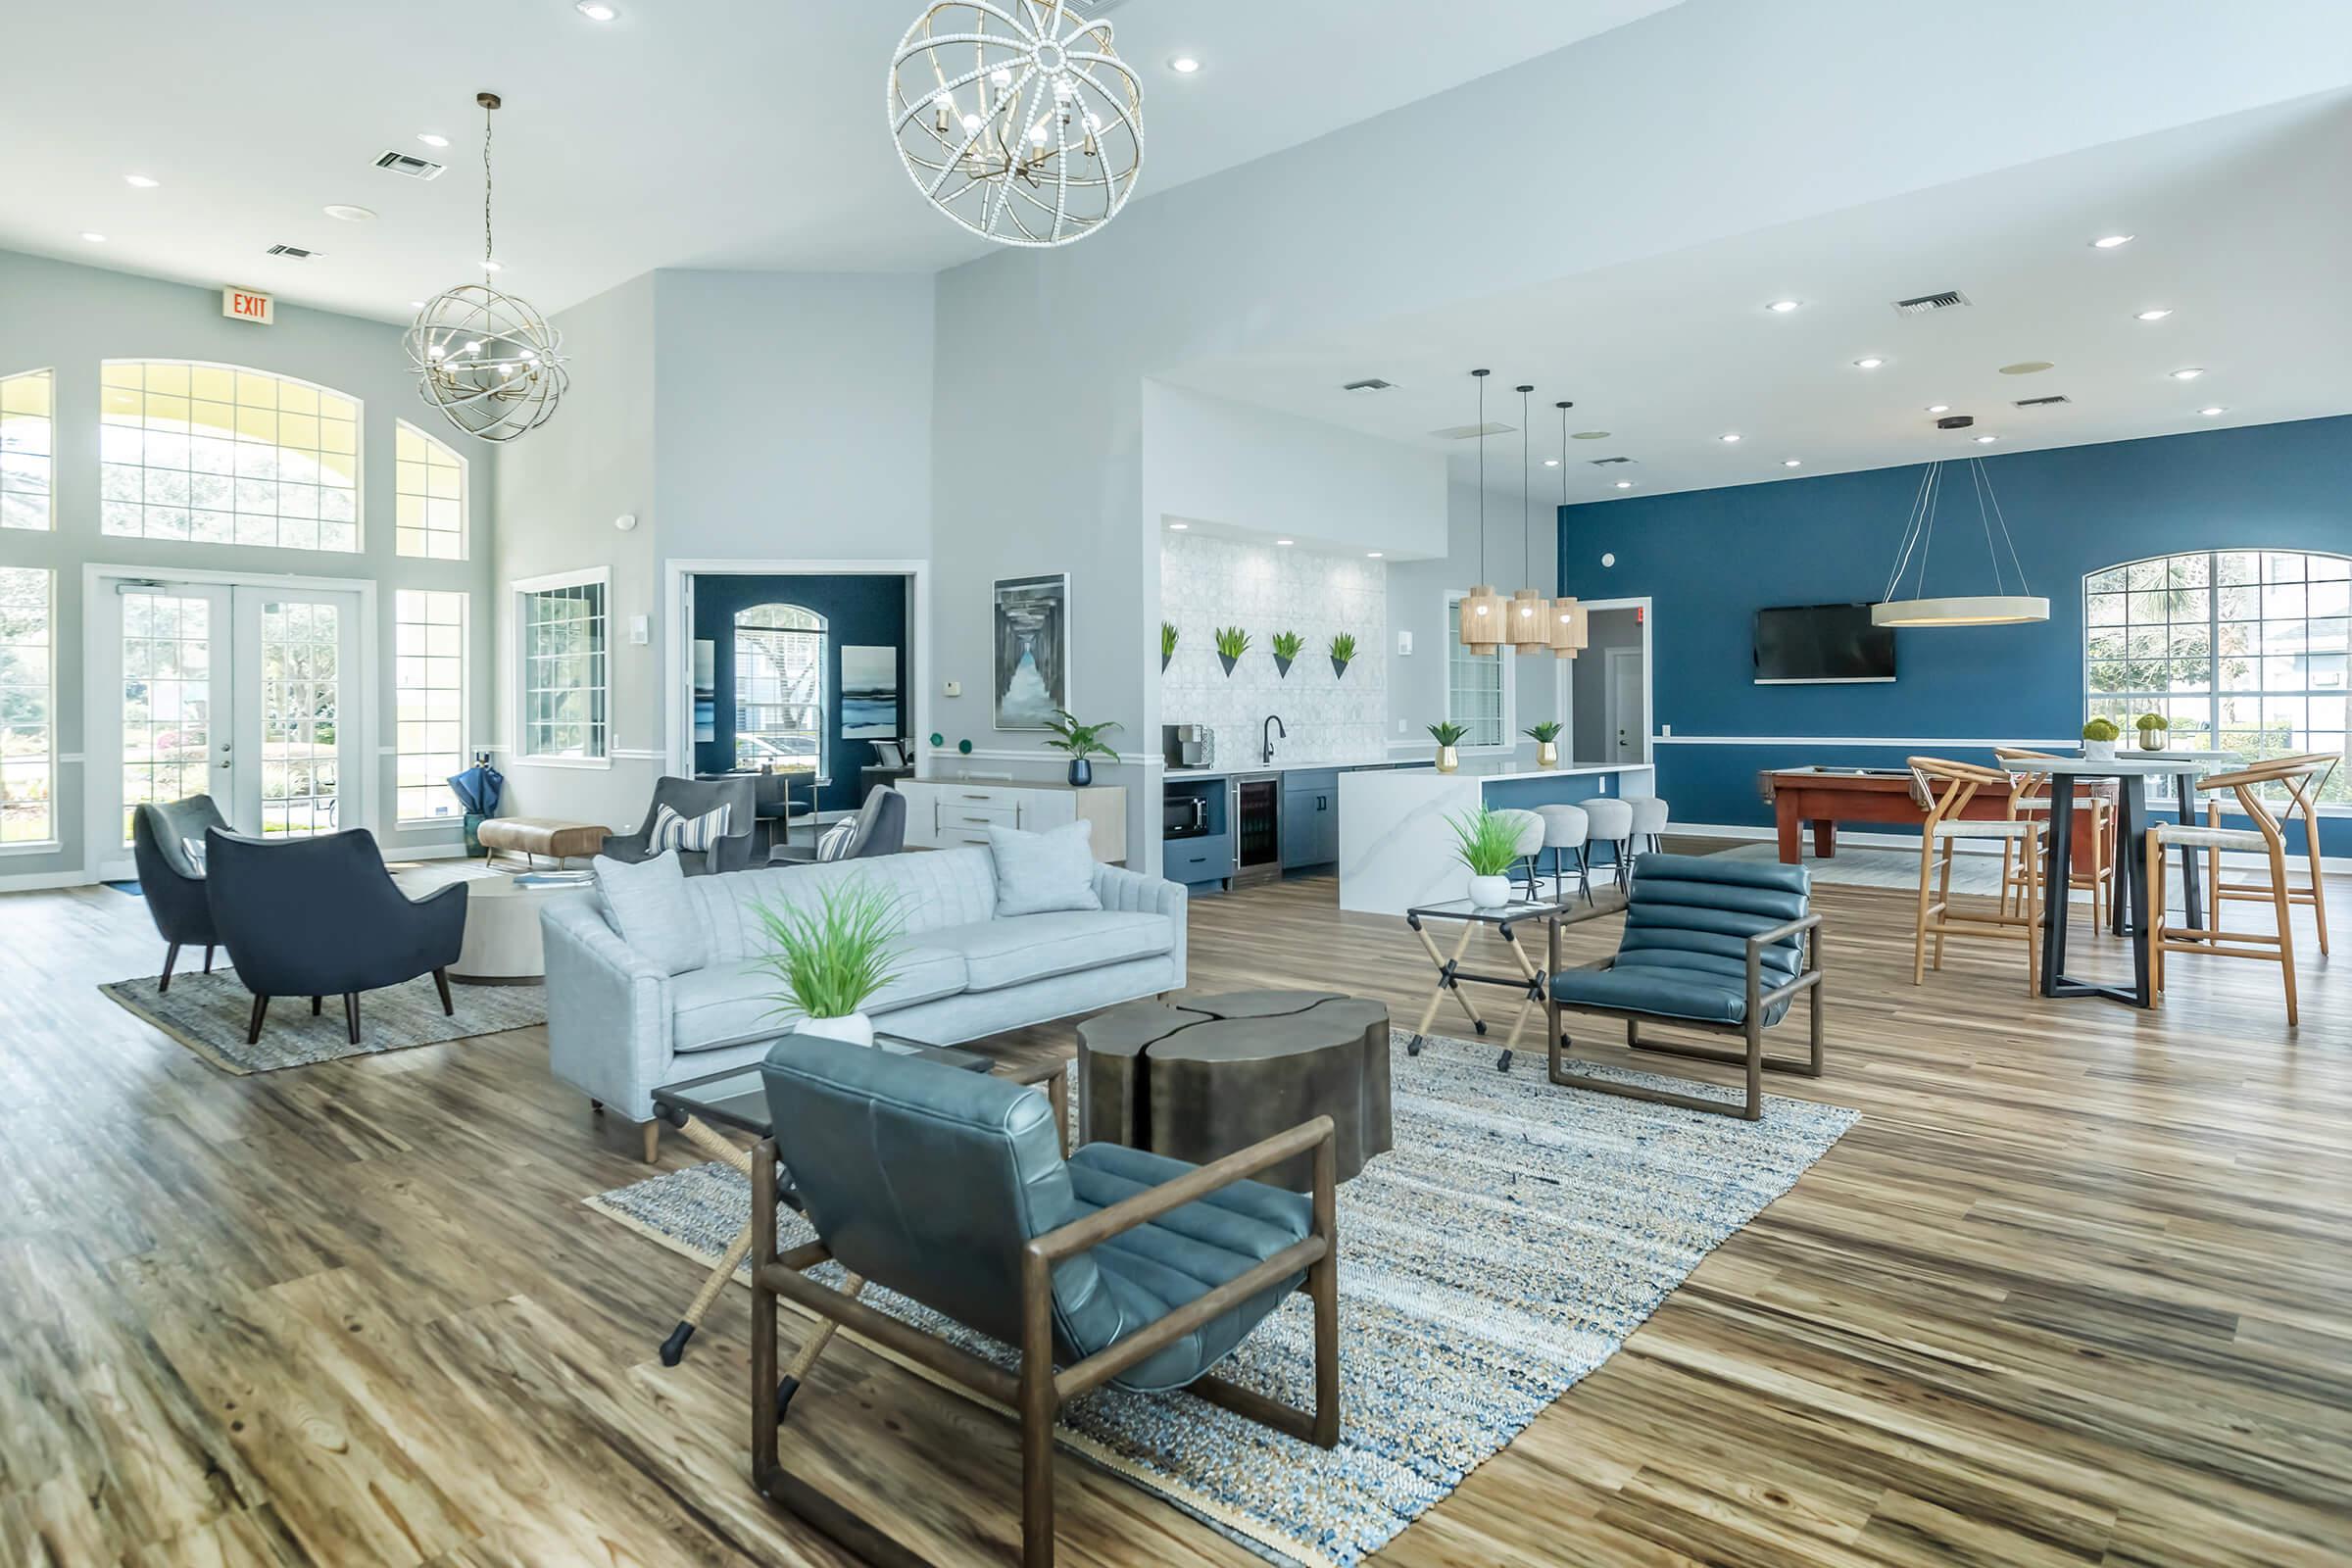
248,305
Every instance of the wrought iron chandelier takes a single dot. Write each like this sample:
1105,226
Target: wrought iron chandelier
491,364
1481,612
1016,120
1570,626
2000,607
1529,613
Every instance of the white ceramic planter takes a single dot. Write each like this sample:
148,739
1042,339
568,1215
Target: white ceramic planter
2099,751
858,1029
1490,892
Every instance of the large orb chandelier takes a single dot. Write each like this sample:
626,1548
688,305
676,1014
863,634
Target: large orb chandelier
1018,120
491,364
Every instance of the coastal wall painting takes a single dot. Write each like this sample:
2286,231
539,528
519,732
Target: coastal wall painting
1032,637
869,693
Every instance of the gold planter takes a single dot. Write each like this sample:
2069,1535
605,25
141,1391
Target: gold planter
1448,759
1548,754
2152,740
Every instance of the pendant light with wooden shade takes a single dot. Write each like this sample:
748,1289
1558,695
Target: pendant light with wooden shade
1570,626
1482,607
1529,612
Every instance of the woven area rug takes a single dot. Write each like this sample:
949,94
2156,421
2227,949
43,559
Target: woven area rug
209,1013
1976,875
1504,1249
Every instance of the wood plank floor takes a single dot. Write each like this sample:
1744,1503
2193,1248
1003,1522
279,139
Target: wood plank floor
2078,1288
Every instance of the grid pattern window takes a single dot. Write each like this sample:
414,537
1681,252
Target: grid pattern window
28,451
564,673
218,455
301,715
27,706
780,688
166,699
428,496
429,675
2241,650
1475,687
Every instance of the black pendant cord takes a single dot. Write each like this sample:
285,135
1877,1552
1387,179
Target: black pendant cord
1481,473
1527,528
489,102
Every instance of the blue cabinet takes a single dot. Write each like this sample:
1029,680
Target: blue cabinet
1310,818
1194,861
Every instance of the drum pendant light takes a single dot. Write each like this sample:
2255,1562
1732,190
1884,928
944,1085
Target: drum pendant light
1531,612
1570,625
1482,609
2000,607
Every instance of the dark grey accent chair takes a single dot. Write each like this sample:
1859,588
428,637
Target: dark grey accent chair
690,798
1711,944
1119,1265
321,917
881,830
170,882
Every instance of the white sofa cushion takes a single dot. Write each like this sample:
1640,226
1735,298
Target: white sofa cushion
647,904
1035,946
950,887
1040,873
729,1004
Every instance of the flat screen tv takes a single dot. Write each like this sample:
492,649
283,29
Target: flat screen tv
1815,644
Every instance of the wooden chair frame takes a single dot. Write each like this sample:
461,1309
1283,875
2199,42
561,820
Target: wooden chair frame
2303,788
1936,917
1036,1392
2030,792
2274,948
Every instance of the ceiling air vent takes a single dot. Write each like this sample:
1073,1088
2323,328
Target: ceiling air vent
403,163
1921,304
2043,403
1610,463
294,252
1368,384
1465,432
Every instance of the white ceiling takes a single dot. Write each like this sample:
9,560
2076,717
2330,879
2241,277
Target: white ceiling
2242,230
723,134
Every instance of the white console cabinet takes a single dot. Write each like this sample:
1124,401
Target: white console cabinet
942,813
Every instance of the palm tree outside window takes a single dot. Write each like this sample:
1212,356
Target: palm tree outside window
780,661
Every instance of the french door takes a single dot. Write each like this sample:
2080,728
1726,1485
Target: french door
249,694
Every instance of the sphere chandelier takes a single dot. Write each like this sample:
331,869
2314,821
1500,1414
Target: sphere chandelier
491,364
1018,120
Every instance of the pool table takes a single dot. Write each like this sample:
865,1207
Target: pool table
1828,796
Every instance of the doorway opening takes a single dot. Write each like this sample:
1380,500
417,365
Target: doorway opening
1611,713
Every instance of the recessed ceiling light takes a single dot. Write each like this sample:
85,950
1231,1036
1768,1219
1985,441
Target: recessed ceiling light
348,213
1184,65
1939,408
1286,541
2189,373
494,267
1732,436
431,139
1792,462
2108,242
140,182
2152,315
1180,527
1372,555
2211,412
93,237
595,10
1625,484
1869,362
415,305
1782,307
1551,462
1986,440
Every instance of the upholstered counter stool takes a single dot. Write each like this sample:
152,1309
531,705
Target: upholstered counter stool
1612,821
1565,828
1649,822
1526,847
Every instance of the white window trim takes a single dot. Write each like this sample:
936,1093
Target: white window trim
49,527
1510,685
517,590
464,492
826,652
465,698
54,842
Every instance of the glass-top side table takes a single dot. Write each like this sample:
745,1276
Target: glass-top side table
1530,982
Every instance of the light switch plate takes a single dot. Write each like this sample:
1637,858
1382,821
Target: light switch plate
641,630
1404,643
1666,730
954,687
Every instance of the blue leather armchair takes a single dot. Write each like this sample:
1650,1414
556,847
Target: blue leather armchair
950,1188
321,917
172,882
1711,944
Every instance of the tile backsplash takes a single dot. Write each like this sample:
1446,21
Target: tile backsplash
1263,589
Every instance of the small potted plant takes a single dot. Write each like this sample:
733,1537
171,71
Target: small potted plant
1447,735
1286,647
2098,740
1489,846
2152,732
1343,653
1081,740
830,957
1547,737
1232,644
1168,643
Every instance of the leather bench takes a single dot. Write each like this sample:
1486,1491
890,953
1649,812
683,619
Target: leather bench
534,836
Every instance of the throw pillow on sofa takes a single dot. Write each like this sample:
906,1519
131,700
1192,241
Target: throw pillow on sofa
1039,874
649,906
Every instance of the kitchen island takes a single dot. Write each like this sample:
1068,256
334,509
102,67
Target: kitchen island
1397,849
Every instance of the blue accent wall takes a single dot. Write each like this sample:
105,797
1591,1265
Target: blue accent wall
860,611
1709,559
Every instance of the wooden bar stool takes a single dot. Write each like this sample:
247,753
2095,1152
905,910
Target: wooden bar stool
2304,788
2094,829
1940,834
2264,838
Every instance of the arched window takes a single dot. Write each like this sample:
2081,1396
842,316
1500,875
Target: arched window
221,455
28,451
428,490
780,688
2243,649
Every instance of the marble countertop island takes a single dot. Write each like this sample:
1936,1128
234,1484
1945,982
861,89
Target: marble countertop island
1397,849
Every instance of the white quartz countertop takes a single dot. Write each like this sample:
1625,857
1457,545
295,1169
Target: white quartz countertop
1253,770
1502,776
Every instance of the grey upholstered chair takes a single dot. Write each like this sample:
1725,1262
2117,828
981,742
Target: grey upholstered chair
690,798
320,917
1711,944
881,830
172,882
949,1188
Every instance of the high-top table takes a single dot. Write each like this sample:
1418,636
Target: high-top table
2131,770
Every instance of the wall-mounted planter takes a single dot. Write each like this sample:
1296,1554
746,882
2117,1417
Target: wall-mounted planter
1228,661
1339,668
1281,666
1164,660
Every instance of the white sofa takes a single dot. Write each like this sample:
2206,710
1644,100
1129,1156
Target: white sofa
618,1027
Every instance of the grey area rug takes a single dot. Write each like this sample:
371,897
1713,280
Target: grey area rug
1517,1233
209,1013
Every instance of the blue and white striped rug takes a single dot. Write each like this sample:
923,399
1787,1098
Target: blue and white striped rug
1504,1249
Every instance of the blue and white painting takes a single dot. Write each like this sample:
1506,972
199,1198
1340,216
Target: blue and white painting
1032,634
869,693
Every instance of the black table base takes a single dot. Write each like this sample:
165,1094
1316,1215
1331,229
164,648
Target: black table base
2131,903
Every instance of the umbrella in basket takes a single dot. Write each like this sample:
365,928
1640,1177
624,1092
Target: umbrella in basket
478,789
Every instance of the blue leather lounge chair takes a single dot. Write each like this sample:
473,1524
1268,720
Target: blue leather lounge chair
1711,944
172,882
950,1188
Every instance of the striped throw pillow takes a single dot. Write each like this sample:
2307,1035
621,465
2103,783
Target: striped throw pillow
835,844
670,831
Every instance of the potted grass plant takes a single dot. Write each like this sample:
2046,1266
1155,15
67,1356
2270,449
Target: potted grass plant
1343,653
1081,740
1547,737
2153,727
1487,844
1447,735
2098,740
1168,643
1232,644
829,956
1286,647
